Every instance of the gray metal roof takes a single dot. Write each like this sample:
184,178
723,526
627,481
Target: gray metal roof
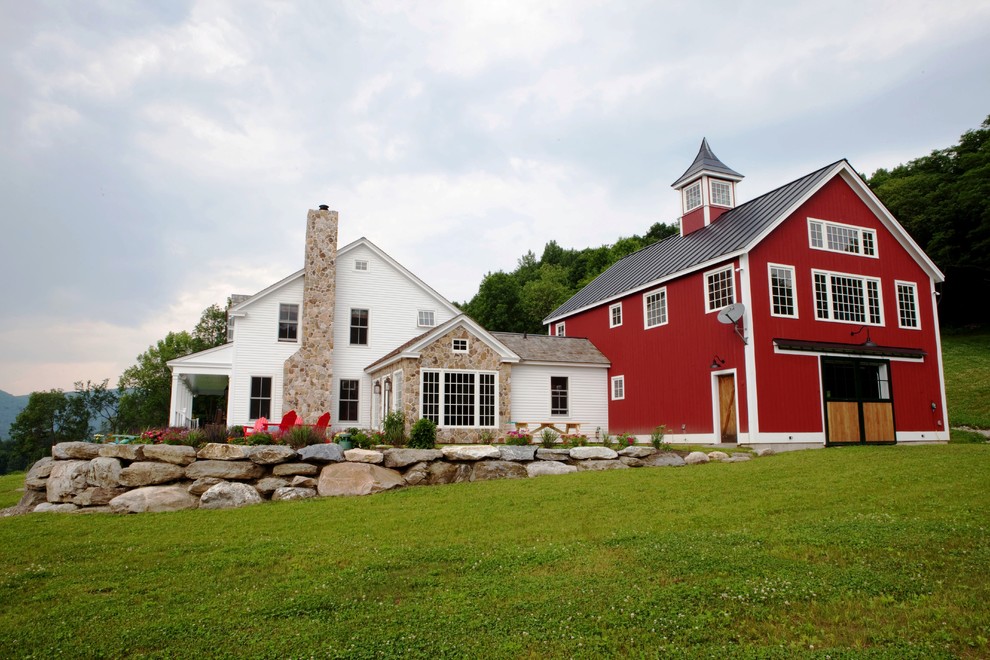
706,161
734,230
546,348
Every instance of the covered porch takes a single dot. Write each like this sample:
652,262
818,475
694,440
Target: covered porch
203,374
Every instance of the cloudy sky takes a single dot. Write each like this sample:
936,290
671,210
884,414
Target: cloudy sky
158,156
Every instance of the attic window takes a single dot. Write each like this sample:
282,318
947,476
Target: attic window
360,264
426,318
692,197
460,345
721,193
836,237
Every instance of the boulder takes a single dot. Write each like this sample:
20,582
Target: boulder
50,507
290,469
97,496
37,476
175,454
696,457
269,485
442,472
357,479
290,493
517,452
150,473
740,458
417,474
272,454
94,509
104,472
124,452
237,470
300,481
765,452
82,451
637,452
151,499
364,456
554,454
664,459
718,456
215,451
29,500
67,479
228,495
469,452
586,453
328,452
396,458
541,468
632,461
601,464
202,485
487,470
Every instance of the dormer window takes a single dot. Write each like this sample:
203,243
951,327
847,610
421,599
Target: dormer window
721,193
692,197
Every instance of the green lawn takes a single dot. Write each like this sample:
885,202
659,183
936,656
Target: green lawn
858,551
966,358
11,486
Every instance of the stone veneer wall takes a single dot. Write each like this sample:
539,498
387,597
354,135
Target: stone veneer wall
308,375
440,355
87,477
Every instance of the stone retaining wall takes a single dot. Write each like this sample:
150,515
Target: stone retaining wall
87,477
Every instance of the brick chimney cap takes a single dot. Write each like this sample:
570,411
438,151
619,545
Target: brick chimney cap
324,207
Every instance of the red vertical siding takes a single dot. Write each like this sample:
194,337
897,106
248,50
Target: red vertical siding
693,221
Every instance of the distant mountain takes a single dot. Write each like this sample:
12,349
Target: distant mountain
10,408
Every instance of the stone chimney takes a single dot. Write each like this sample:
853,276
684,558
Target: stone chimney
308,374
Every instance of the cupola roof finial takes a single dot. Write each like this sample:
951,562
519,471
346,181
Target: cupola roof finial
706,162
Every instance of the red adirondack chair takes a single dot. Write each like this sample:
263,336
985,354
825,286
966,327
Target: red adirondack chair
287,421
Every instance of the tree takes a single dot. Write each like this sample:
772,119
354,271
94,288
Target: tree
496,305
542,295
49,418
146,387
102,404
212,327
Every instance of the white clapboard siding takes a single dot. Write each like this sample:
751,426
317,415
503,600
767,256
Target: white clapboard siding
586,404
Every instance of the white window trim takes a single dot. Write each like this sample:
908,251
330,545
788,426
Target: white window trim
297,323
368,328
271,396
453,345
770,267
566,413
711,192
358,268
859,230
866,300
666,309
426,311
732,280
560,330
701,196
477,396
621,380
917,309
611,315
340,392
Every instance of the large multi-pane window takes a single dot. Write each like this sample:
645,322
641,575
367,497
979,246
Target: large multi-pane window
261,397
850,298
655,308
719,289
782,291
288,322
459,398
359,327
721,193
692,197
836,237
347,410
907,305
558,395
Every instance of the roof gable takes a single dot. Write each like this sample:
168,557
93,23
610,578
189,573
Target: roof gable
412,348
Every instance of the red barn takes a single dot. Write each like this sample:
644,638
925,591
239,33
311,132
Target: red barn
804,317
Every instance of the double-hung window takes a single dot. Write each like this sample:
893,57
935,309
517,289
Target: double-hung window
559,330
782,297
692,197
836,237
655,308
720,289
261,397
347,410
459,398
288,322
907,305
558,395
359,327
426,318
618,388
615,315
848,298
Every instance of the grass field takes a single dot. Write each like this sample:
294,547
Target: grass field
846,552
11,486
966,358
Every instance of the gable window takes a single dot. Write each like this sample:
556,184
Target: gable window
460,345
719,289
559,330
849,298
426,318
288,322
348,401
360,264
615,315
558,395
655,308
261,397
782,300
835,237
692,197
907,305
359,327
721,193
459,398
618,388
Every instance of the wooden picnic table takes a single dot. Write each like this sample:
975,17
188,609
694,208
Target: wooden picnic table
569,427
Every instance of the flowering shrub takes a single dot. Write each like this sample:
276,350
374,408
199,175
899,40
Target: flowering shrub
574,439
519,437
625,440
174,435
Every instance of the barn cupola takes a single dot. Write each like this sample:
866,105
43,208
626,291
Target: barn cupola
707,188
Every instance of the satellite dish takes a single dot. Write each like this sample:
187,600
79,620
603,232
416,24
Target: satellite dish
732,313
